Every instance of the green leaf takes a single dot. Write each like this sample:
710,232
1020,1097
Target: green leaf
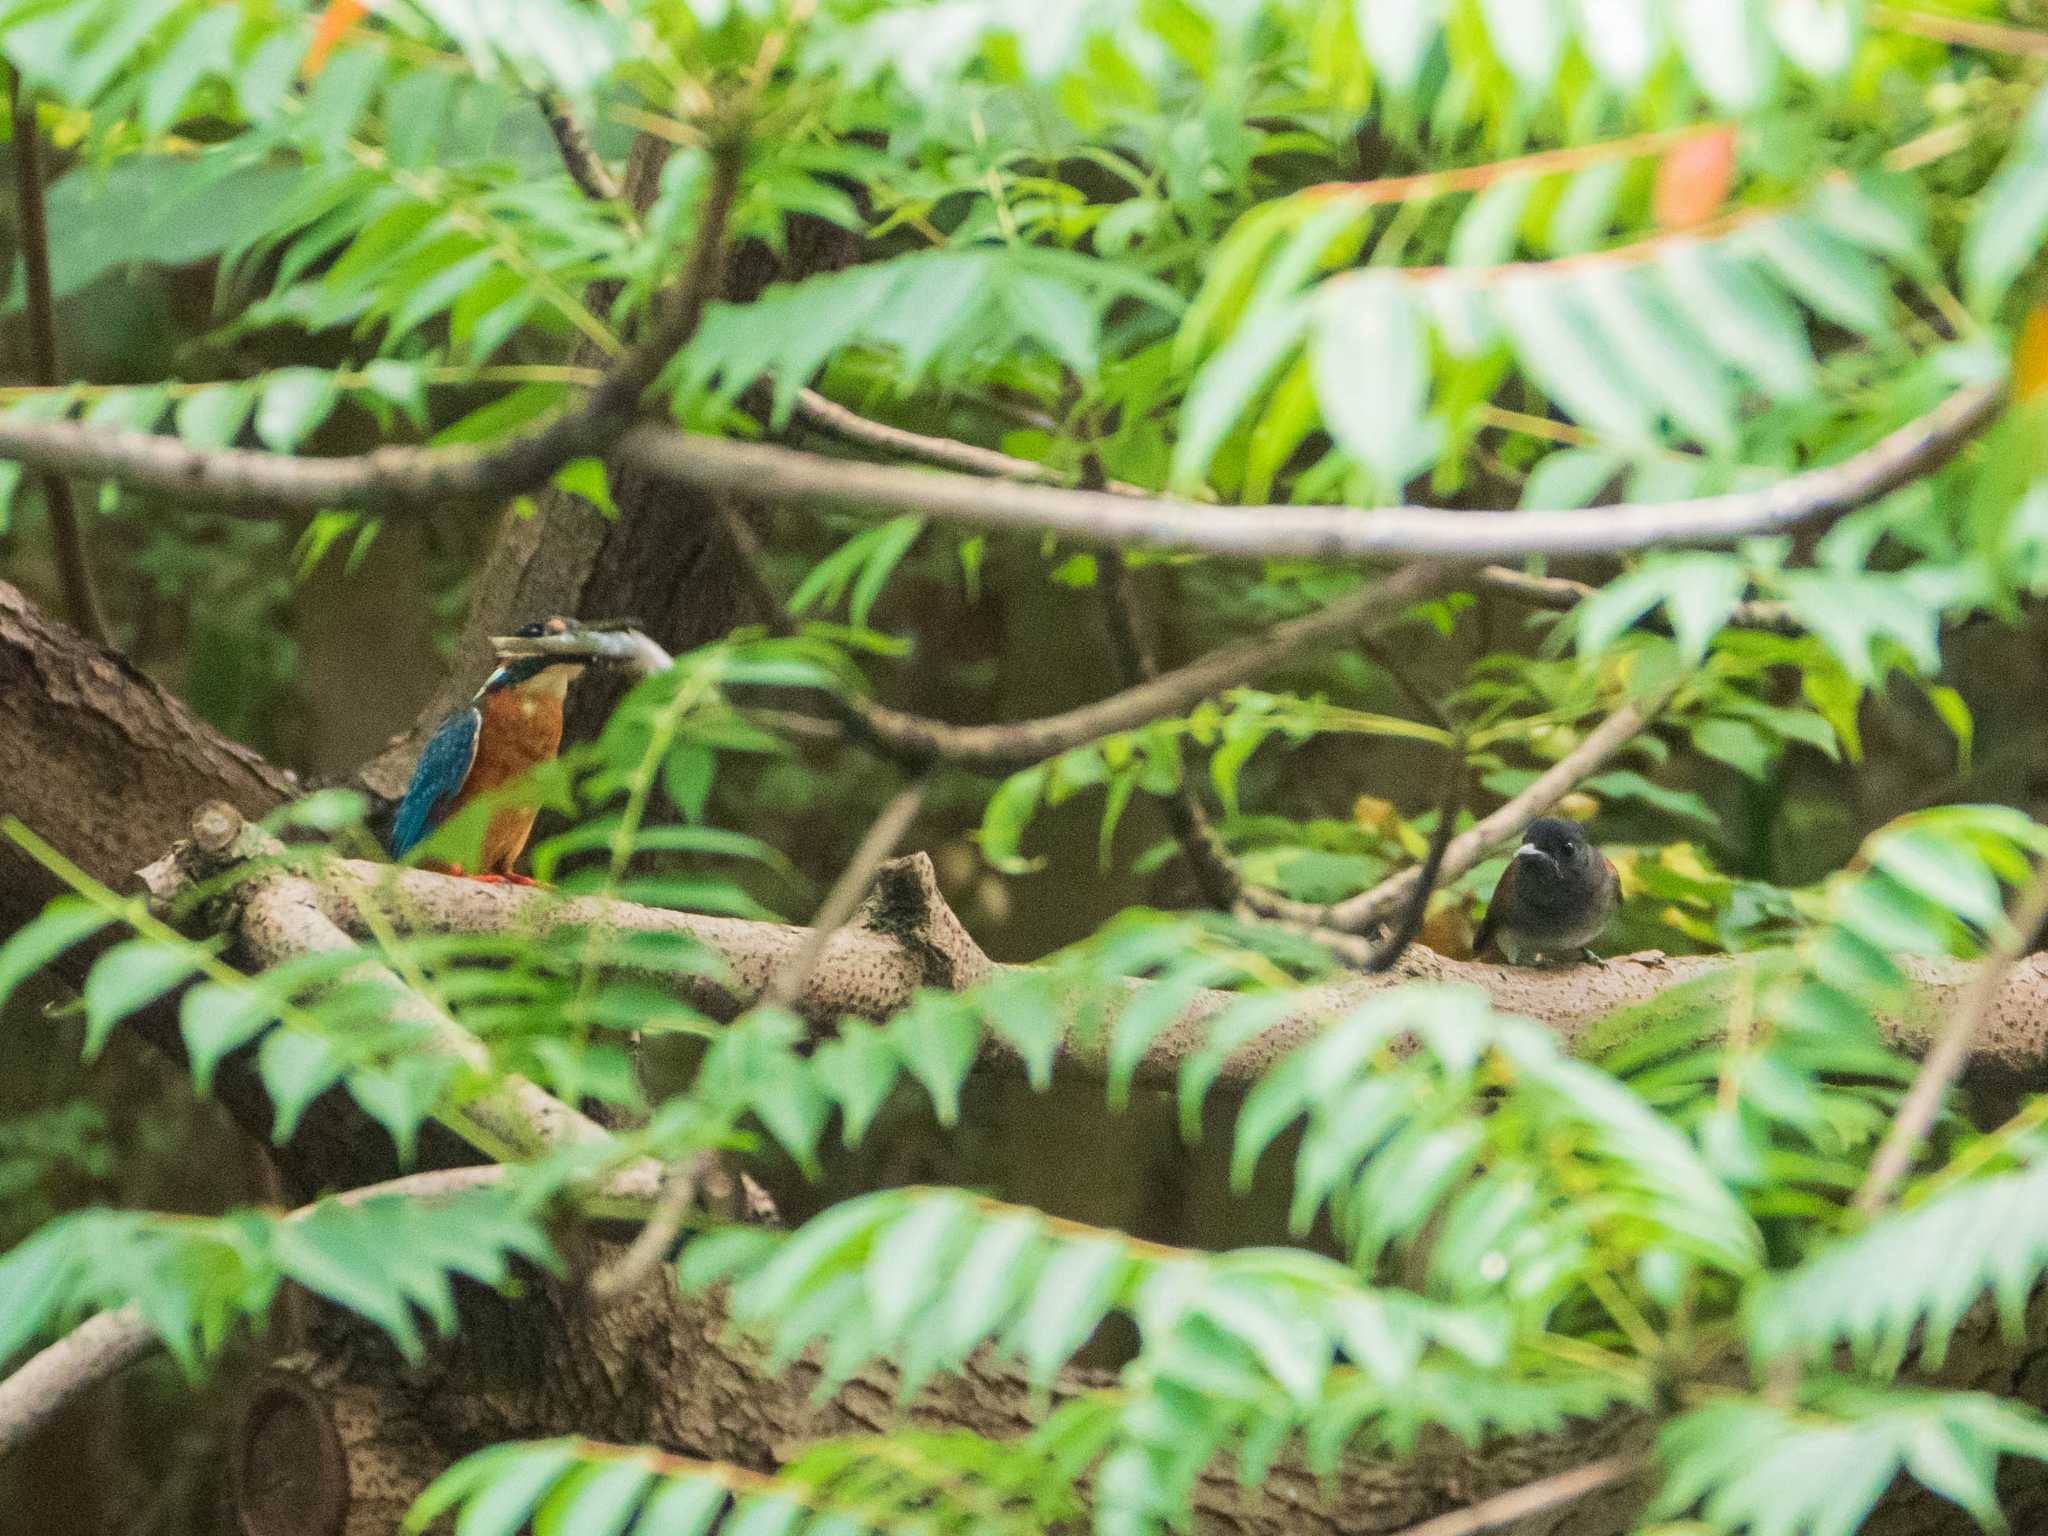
296,1068
35,1280
129,977
685,1507
295,402
1830,275
587,478
892,544
66,921
1743,318
1068,1303
1529,37
1224,388
1370,362
1657,349
214,418
1947,873
1723,45
1489,229
215,1019
2009,219
1398,37
1569,478
1622,38
596,1500
1570,364
1008,813
504,1504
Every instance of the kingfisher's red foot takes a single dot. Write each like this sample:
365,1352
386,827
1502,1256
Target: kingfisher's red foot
506,879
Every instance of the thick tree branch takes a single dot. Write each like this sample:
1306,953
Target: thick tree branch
848,890
873,971
1313,532
394,478
74,565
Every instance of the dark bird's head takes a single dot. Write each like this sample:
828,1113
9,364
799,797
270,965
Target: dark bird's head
549,674
1557,844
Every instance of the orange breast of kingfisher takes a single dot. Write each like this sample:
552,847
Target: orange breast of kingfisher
521,728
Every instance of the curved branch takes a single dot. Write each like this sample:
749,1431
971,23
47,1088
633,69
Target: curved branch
395,477
1003,748
769,473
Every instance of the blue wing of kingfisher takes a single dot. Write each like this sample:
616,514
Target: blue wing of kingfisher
513,725
437,781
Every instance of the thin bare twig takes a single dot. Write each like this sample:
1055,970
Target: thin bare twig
1410,690
1963,31
1358,914
835,420
1533,1498
840,903
1944,1062
1426,876
51,1380
1216,873
579,155
1562,594
656,1236
770,473
67,534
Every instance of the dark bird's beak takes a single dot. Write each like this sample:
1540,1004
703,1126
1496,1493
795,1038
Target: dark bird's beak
1529,853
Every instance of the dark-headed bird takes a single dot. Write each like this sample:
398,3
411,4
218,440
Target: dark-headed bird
513,725
1556,897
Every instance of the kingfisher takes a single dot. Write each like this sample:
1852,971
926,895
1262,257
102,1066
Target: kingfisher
513,725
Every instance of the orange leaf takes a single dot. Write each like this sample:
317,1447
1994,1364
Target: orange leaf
335,22
2030,356
1693,178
